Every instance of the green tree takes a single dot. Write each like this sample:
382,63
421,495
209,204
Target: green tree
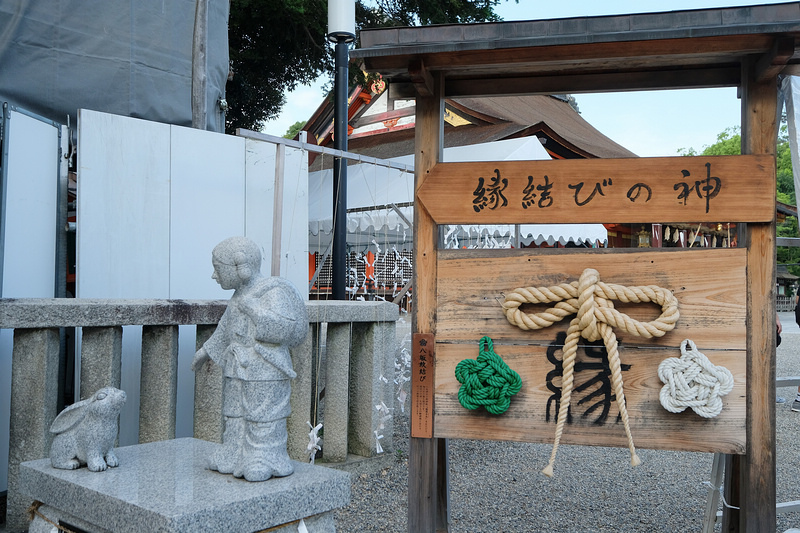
277,44
294,129
729,142
274,45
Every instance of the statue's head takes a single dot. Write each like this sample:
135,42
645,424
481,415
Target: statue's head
236,261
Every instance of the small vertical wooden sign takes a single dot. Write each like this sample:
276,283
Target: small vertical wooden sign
422,386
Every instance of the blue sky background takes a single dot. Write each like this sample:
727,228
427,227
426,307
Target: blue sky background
649,123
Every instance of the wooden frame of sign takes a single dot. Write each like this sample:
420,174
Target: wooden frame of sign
709,284
726,299
726,296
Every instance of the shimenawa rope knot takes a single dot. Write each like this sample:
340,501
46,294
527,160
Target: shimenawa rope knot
591,301
487,381
693,381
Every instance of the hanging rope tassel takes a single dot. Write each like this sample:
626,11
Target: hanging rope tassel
488,381
591,301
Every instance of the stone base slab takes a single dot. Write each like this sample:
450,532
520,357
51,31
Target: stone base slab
166,487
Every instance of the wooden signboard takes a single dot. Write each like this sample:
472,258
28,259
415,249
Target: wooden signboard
710,286
660,190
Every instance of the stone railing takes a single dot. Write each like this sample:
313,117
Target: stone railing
359,350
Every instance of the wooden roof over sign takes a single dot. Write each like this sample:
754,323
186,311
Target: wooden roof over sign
677,49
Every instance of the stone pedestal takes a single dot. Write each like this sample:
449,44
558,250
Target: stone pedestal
165,486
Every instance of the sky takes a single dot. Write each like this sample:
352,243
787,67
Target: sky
649,123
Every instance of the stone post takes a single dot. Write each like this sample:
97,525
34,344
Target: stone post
300,400
101,359
208,380
337,392
34,397
372,376
158,394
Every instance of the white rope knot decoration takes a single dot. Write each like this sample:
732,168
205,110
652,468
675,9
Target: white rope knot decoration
591,300
693,381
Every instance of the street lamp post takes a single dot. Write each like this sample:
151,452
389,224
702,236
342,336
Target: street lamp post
341,30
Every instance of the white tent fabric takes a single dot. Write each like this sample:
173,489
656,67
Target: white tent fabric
383,218
504,236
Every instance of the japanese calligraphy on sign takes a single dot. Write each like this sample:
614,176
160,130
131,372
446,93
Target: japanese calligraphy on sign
422,384
593,190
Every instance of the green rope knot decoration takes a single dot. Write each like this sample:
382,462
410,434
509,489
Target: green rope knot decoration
487,381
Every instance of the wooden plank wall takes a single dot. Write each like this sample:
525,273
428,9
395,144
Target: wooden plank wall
709,285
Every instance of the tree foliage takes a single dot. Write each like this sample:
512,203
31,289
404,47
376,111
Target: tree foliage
277,44
294,129
274,45
426,12
729,142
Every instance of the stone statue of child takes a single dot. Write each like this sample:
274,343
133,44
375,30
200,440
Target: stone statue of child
265,316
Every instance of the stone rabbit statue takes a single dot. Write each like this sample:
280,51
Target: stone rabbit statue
86,431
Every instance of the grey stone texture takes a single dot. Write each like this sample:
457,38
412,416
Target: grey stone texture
101,359
164,486
300,400
47,516
158,393
35,367
33,409
264,318
352,311
91,312
337,392
208,424
85,432
371,393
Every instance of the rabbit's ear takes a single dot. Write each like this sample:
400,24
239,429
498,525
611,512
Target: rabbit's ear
69,417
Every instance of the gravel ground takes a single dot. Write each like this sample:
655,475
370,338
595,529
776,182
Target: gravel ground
496,486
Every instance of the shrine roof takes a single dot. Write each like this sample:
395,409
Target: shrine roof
690,48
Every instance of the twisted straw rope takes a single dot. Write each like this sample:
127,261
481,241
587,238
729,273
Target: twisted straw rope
591,300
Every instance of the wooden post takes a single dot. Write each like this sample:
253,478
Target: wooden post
427,468
758,469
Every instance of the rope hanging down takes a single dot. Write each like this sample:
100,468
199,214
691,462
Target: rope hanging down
591,300
487,381
693,381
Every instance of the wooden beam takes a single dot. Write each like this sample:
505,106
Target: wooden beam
659,54
758,471
366,120
773,62
596,82
427,487
641,190
463,85
421,78
402,91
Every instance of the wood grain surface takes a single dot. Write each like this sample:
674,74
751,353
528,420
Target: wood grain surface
710,286
660,190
